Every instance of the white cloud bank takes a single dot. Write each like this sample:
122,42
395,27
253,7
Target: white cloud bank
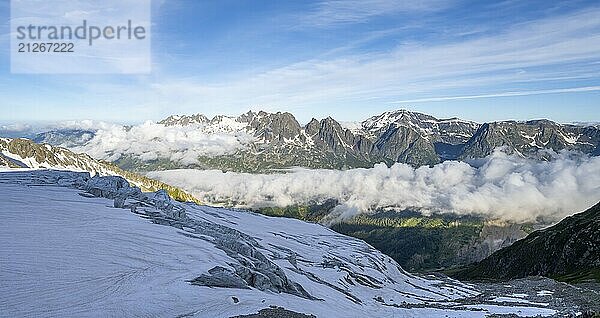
146,141
150,141
499,186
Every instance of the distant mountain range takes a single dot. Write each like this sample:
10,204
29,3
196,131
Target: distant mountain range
278,140
24,153
569,250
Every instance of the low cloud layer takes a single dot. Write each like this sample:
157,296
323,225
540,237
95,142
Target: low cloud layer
146,141
150,141
500,186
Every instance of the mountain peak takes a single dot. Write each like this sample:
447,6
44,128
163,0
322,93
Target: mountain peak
281,142
184,120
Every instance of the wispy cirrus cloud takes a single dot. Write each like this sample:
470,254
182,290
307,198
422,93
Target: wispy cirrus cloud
560,47
365,64
336,12
503,94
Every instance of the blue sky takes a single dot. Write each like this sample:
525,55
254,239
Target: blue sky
348,59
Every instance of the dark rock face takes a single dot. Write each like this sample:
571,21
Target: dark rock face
280,141
395,136
402,144
527,138
277,127
569,250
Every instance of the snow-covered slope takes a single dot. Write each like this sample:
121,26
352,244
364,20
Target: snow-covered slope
451,131
24,153
72,245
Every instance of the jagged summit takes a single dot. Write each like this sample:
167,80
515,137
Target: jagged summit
259,141
184,120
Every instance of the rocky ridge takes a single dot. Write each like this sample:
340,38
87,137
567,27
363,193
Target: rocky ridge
569,250
278,140
395,136
24,153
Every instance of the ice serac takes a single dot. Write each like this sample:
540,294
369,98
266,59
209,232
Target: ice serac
122,252
253,268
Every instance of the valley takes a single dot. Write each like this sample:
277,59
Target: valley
186,259
452,214
300,159
417,242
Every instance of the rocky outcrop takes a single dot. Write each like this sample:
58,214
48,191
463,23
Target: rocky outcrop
184,120
450,131
568,250
402,144
278,127
528,138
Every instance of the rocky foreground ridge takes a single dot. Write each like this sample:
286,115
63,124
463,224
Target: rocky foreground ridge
569,250
24,153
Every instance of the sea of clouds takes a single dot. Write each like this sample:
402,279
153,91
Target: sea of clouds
500,186
147,141
150,141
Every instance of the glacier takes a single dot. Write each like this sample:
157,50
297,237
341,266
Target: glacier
76,245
